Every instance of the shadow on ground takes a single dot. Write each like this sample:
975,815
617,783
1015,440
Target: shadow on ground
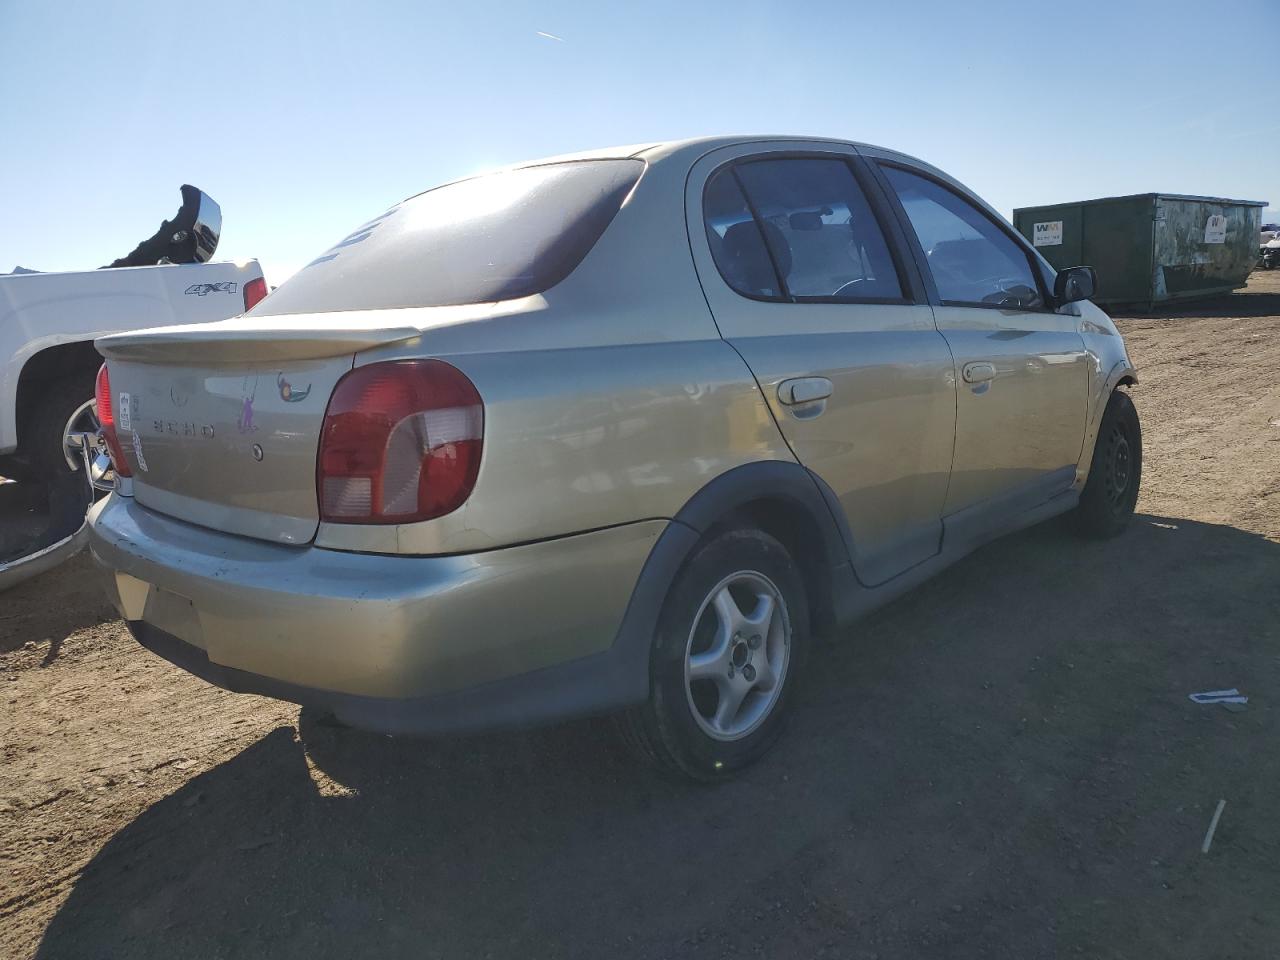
1240,304
1004,763
54,605
32,518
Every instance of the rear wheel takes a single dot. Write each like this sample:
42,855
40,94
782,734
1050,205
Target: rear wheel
65,419
730,648
1111,492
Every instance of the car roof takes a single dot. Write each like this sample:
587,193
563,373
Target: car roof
691,148
688,151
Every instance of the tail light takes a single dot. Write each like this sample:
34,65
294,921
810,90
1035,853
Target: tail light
107,423
401,443
254,291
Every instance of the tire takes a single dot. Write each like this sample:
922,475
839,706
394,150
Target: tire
44,433
681,728
1111,492
11,468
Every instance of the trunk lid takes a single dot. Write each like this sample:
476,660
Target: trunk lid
220,423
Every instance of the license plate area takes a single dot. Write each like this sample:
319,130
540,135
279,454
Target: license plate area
174,614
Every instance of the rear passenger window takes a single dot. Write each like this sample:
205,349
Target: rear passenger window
825,240
973,261
798,229
736,243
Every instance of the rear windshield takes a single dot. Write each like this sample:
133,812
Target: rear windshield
496,237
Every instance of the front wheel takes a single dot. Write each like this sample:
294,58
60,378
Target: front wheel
730,648
1111,492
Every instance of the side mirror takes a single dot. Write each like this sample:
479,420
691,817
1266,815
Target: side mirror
207,229
190,237
1075,283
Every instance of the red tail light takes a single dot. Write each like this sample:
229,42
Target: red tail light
401,442
107,423
254,291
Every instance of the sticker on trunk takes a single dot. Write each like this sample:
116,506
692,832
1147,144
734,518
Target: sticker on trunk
126,414
137,452
288,392
1047,234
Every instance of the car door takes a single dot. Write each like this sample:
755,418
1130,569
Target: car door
805,273
1022,368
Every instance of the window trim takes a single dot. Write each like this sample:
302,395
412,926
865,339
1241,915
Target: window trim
882,216
727,167
1047,304
785,295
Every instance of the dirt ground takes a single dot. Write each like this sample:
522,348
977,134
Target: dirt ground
1003,764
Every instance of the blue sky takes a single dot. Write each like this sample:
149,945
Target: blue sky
305,119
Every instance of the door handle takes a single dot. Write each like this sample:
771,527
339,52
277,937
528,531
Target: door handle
804,390
978,372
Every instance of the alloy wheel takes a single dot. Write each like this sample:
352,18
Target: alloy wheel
737,655
82,444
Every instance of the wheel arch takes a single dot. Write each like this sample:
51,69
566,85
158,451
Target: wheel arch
1121,374
781,498
793,525
51,363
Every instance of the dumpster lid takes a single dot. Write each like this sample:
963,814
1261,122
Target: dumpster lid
1225,201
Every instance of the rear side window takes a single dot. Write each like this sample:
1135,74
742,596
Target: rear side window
736,242
798,229
973,261
496,237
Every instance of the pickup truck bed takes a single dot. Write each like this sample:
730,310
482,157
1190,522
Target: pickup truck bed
48,322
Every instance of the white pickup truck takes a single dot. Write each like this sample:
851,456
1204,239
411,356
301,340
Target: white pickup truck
48,322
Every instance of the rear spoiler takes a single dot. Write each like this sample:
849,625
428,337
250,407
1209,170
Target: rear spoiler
249,340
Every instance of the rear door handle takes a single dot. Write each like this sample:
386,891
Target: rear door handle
804,390
978,372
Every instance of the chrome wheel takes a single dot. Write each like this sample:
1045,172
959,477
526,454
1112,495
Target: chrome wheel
82,445
82,427
737,655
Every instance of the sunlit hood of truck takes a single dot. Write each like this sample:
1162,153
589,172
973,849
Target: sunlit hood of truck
308,336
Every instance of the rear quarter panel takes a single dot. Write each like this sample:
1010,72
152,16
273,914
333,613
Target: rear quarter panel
609,399
582,438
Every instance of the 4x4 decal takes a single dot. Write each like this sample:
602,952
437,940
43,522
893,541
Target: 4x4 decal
200,289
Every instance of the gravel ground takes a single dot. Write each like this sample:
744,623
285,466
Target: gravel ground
1002,764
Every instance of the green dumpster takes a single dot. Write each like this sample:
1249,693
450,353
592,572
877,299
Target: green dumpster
1151,247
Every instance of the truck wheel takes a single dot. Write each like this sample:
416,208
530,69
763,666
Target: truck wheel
1111,492
726,661
50,440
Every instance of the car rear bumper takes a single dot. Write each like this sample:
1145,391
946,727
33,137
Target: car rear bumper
390,643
